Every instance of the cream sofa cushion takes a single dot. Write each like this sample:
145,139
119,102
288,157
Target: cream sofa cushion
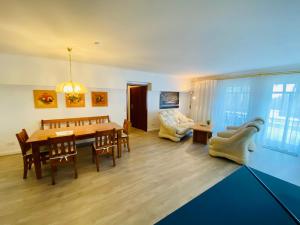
174,125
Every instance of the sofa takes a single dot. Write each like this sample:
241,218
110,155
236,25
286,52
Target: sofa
231,130
236,146
174,125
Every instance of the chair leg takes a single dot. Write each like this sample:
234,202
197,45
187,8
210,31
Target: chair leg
53,169
44,160
25,168
113,156
75,167
127,139
93,155
30,163
97,162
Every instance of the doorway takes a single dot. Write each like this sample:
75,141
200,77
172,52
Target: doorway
137,105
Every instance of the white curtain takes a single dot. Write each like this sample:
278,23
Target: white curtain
275,98
283,115
202,100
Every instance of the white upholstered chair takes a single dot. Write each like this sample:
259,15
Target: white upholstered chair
231,130
174,125
236,146
257,120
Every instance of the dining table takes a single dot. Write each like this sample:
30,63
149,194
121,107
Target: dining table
40,138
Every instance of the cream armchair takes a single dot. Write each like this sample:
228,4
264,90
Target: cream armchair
231,130
236,146
257,120
174,125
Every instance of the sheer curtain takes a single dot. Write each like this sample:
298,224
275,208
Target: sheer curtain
283,115
231,105
202,100
275,98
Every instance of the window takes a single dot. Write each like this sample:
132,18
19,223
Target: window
283,124
236,104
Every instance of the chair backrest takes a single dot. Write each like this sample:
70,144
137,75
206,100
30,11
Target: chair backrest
54,123
126,125
168,117
105,139
172,117
79,122
244,135
61,146
103,119
22,137
68,122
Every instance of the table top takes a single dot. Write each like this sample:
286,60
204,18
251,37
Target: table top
238,199
202,127
42,135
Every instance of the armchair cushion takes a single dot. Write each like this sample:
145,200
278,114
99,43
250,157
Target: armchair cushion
174,125
236,146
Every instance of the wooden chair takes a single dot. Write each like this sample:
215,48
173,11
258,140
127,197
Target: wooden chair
104,145
69,122
52,124
79,122
125,134
62,150
103,119
22,137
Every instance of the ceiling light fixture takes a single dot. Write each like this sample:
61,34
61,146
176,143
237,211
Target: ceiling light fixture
70,87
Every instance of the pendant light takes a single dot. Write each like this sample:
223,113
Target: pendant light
69,87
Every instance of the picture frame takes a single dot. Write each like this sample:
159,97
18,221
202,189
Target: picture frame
99,99
168,100
75,101
44,99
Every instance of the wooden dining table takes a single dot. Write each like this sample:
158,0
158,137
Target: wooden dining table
39,138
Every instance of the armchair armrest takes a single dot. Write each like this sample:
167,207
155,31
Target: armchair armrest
232,127
226,134
219,141
190,120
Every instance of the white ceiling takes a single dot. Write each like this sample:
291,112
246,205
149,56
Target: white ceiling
185,37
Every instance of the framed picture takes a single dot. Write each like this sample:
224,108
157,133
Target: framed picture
45,99
77,100
99,99
169,100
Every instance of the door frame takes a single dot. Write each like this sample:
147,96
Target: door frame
139,84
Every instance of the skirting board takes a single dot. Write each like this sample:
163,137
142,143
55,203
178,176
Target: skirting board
11,152
153,129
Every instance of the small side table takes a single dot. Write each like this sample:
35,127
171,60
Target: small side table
202,133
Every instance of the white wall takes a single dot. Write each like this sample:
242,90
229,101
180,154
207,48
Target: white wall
19,75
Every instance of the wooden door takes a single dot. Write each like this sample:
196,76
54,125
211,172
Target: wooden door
138,107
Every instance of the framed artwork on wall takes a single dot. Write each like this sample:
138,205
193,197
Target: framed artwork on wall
75,100
45,99
168,100
99,99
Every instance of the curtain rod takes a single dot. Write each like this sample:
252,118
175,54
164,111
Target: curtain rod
247,75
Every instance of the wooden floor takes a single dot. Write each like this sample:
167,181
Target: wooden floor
151,181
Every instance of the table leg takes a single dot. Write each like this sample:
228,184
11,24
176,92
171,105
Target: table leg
119,144
37,160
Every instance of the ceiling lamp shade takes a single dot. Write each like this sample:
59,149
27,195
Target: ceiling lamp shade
70,87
